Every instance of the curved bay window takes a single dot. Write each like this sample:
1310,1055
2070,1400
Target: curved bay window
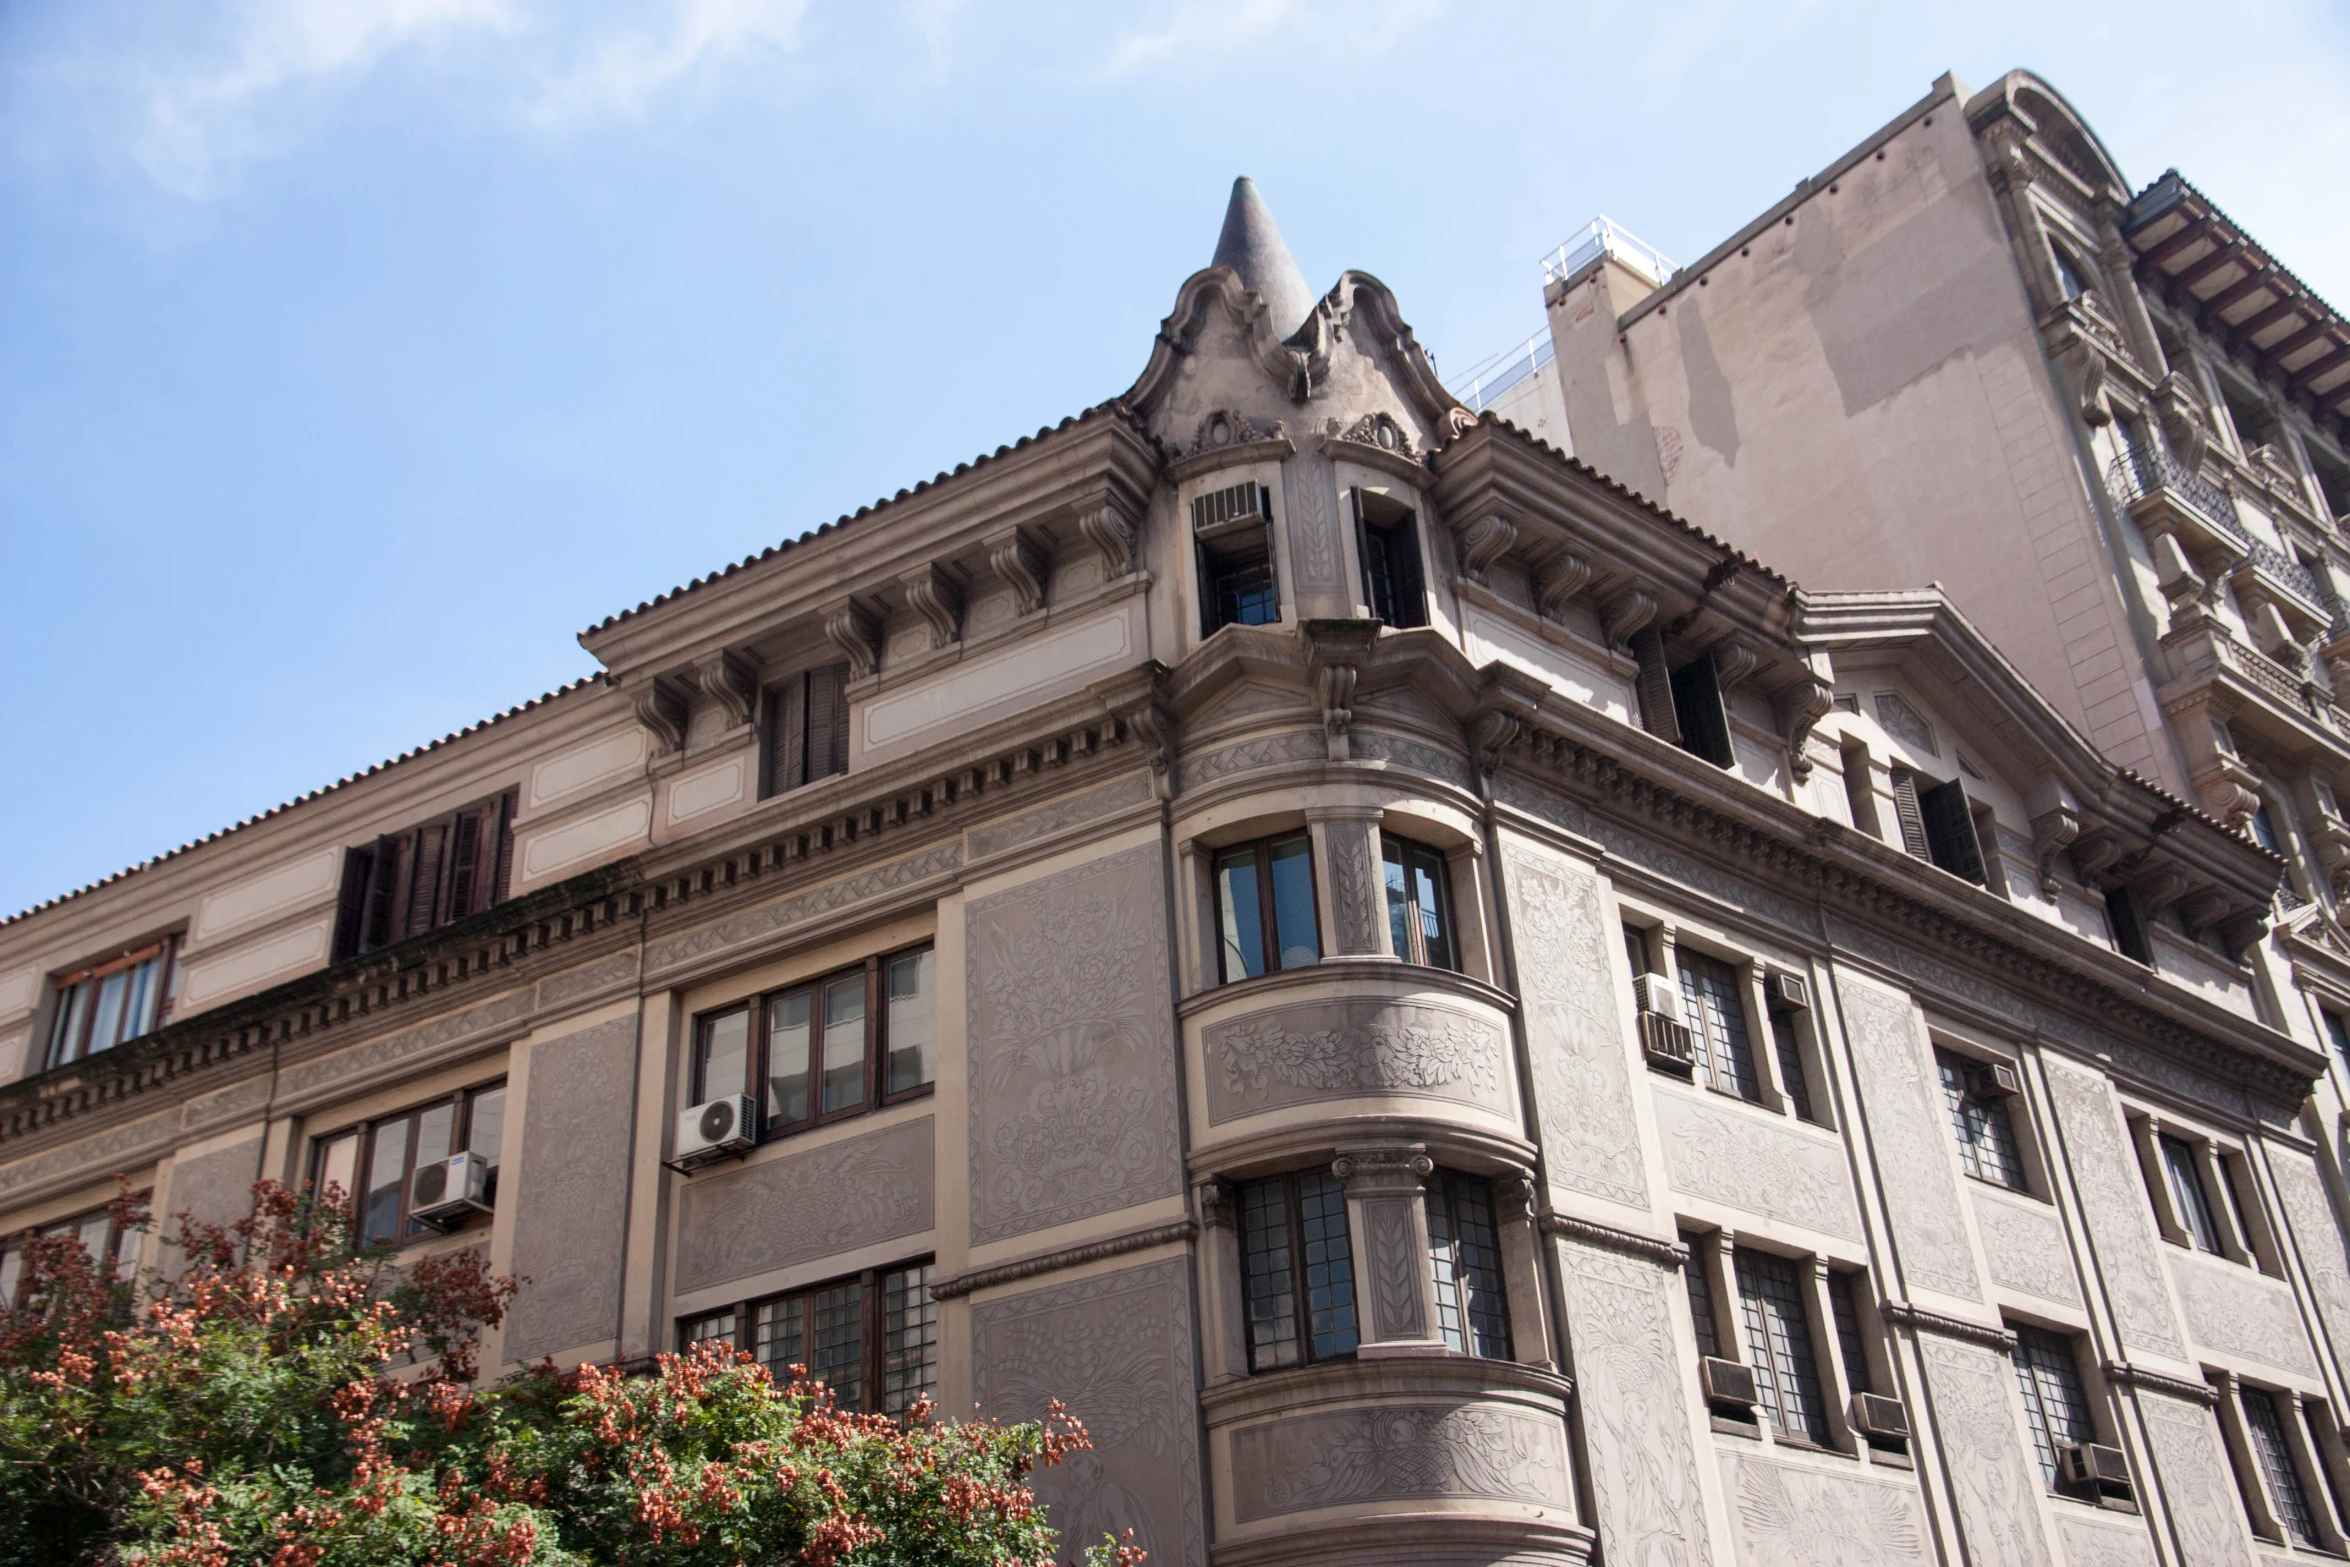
1296,1270
110,1003
1265,907
1419,903
1464,1251
827,1048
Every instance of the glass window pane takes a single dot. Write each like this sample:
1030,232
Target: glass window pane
2186,1189
1239,916
91,1233
1266,1278
106,1023
380,1212
138,1010
722,1055
1329,1265
73,1013
718,1327
11,1270
2056,1406
1294,924
1428,895
1790,1053
1717,1024
909,1367
485,1128
436,1126
1779,1346
1399,900
787,1058
1842,1292
1695,1275
913,1031
780,1343
844,1044
839,1357
338,1167
1471,1310
2276,1465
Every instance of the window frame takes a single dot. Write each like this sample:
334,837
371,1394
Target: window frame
875,1095
163,951
873,1327
1224,546
1444,1194
2284,1485
1416,936
376,898
1300,1291
111,1261
1772,1374
2034,1345
1403,530
1700,1024
1993,1110
2181,1166
1268,921
405,1230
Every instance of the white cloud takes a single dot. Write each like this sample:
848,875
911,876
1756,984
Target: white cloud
1216,28
619,73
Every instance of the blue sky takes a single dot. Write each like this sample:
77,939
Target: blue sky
354,354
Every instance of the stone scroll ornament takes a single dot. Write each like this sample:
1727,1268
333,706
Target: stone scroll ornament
1339,1049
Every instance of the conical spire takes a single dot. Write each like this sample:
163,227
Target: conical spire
1251,245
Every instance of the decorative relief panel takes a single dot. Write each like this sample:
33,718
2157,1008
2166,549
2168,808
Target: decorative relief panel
2311,1219
587,979
795,1209
372,1057
806,906
1996,1485
2026,1250
1354,903
2113,1203
1627,1361
1641,848
570,1197
1392,1259
1117,1350
1790,1515
2096,1545
1073,1088
1310,496
213,1188
1582,1067
2197,1491
1341,1049
1371,745
1911,1130
2229,1307
1070,811
1248,755
1746,1162
1397,1452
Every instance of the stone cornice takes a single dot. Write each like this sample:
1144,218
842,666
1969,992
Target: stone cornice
2122,1374
956,1286
1665,1254
1916,1318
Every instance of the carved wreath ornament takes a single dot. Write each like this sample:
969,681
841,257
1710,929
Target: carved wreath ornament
1376,1055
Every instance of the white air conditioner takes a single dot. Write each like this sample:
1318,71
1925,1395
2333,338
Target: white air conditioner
726,1125
1994,1080
1873,1414
1658,994
1786,992
2089,1464
447,1192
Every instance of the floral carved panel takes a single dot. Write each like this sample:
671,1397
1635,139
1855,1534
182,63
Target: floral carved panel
1790,1515
1750,1164
1310,489
1566,954
2198,1492
2231,1308
1636,1409
1072,1098
2088,1544
1995,1482
1117,1350
1343,1049
2319,1239
1392,1259
1911,1130
1397,1452
2026,1250
831,1199
1354,903
570,1198
2113,1203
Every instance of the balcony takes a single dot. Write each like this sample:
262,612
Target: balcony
2252,692
2163,495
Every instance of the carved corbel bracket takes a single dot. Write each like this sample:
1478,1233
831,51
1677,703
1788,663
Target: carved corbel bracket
732,681
1804,707
2238,932
1154,727
1562,581
2097,851
1022,557
2161,887
2052,833
1117,536
1492,734
1216,1209
1483,542
856,631
2200,908
1516,1194
935,592
1733,662
2181,414
663,710
1628,613
2329,837
2336,654
1338,690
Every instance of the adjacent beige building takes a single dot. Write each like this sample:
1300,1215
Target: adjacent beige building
1363,956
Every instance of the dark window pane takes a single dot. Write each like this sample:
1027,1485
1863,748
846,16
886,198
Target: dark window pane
1717,1020
1472,1310
2187,1193
1294,924
716,1328
1790,1053
909,1368
913,1058
2056,1408
1268,1279
1701,1300
844,1044
779,1329
73,1017
1240,924
2276,1465
722,1056
380,1214
1778,1344
1419,916
1245,594
1842,1292
1399,899
1329,1264
788,1065
838,1360
1986,1139
485,1131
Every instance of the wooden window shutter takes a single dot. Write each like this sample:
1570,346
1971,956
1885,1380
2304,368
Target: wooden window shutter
1656,686
502,863
480,855
1950,831
1698,710
787,735
1913,821
465,867
424,901
352,905
828,721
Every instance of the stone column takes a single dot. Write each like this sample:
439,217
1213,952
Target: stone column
1353,883
1521,1270
1224,1336
1387,1214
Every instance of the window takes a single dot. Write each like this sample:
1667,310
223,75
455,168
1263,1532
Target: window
1717,1024
2181,1172
1986,1139
2056,1407
1699,712
1694,1274
2127,923
1419,903
832,1047
2264,1431
2070,274
2264,830
113,1249
111,1003
407,883
2337,1032
1387,536
807,728
1860,796
1293,1225
1472,1308
1938,826
1789,1050
1844,1299
872,1339
1232,530
375,1165
1778,1345
1265,907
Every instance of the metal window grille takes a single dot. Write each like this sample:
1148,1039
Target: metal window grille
2267,1430
1986,1139
1779,1345
2056,1407
1717,1024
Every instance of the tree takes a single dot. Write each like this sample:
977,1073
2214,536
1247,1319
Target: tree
294,1399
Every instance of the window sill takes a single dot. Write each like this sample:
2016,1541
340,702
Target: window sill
2003,1187
1730,1425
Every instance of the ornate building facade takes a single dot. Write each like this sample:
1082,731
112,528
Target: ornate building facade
1333,939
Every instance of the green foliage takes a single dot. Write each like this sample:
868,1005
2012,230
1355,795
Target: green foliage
294,1401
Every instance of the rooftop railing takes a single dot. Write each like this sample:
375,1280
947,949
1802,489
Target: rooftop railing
1489,378
1604,236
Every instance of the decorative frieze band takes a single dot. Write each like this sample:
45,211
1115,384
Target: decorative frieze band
2122,1374
1665,1254
958,1285
1903,1314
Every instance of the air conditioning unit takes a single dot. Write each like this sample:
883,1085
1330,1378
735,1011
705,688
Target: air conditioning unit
1666,1044
1873,1414
1994,1080
2087,1463
1787,992
1657,994
726,1125
447,1192
1727,1382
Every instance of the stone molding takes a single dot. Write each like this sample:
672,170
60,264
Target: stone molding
2122,1374
1589,1232
957,1285
1919,1319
